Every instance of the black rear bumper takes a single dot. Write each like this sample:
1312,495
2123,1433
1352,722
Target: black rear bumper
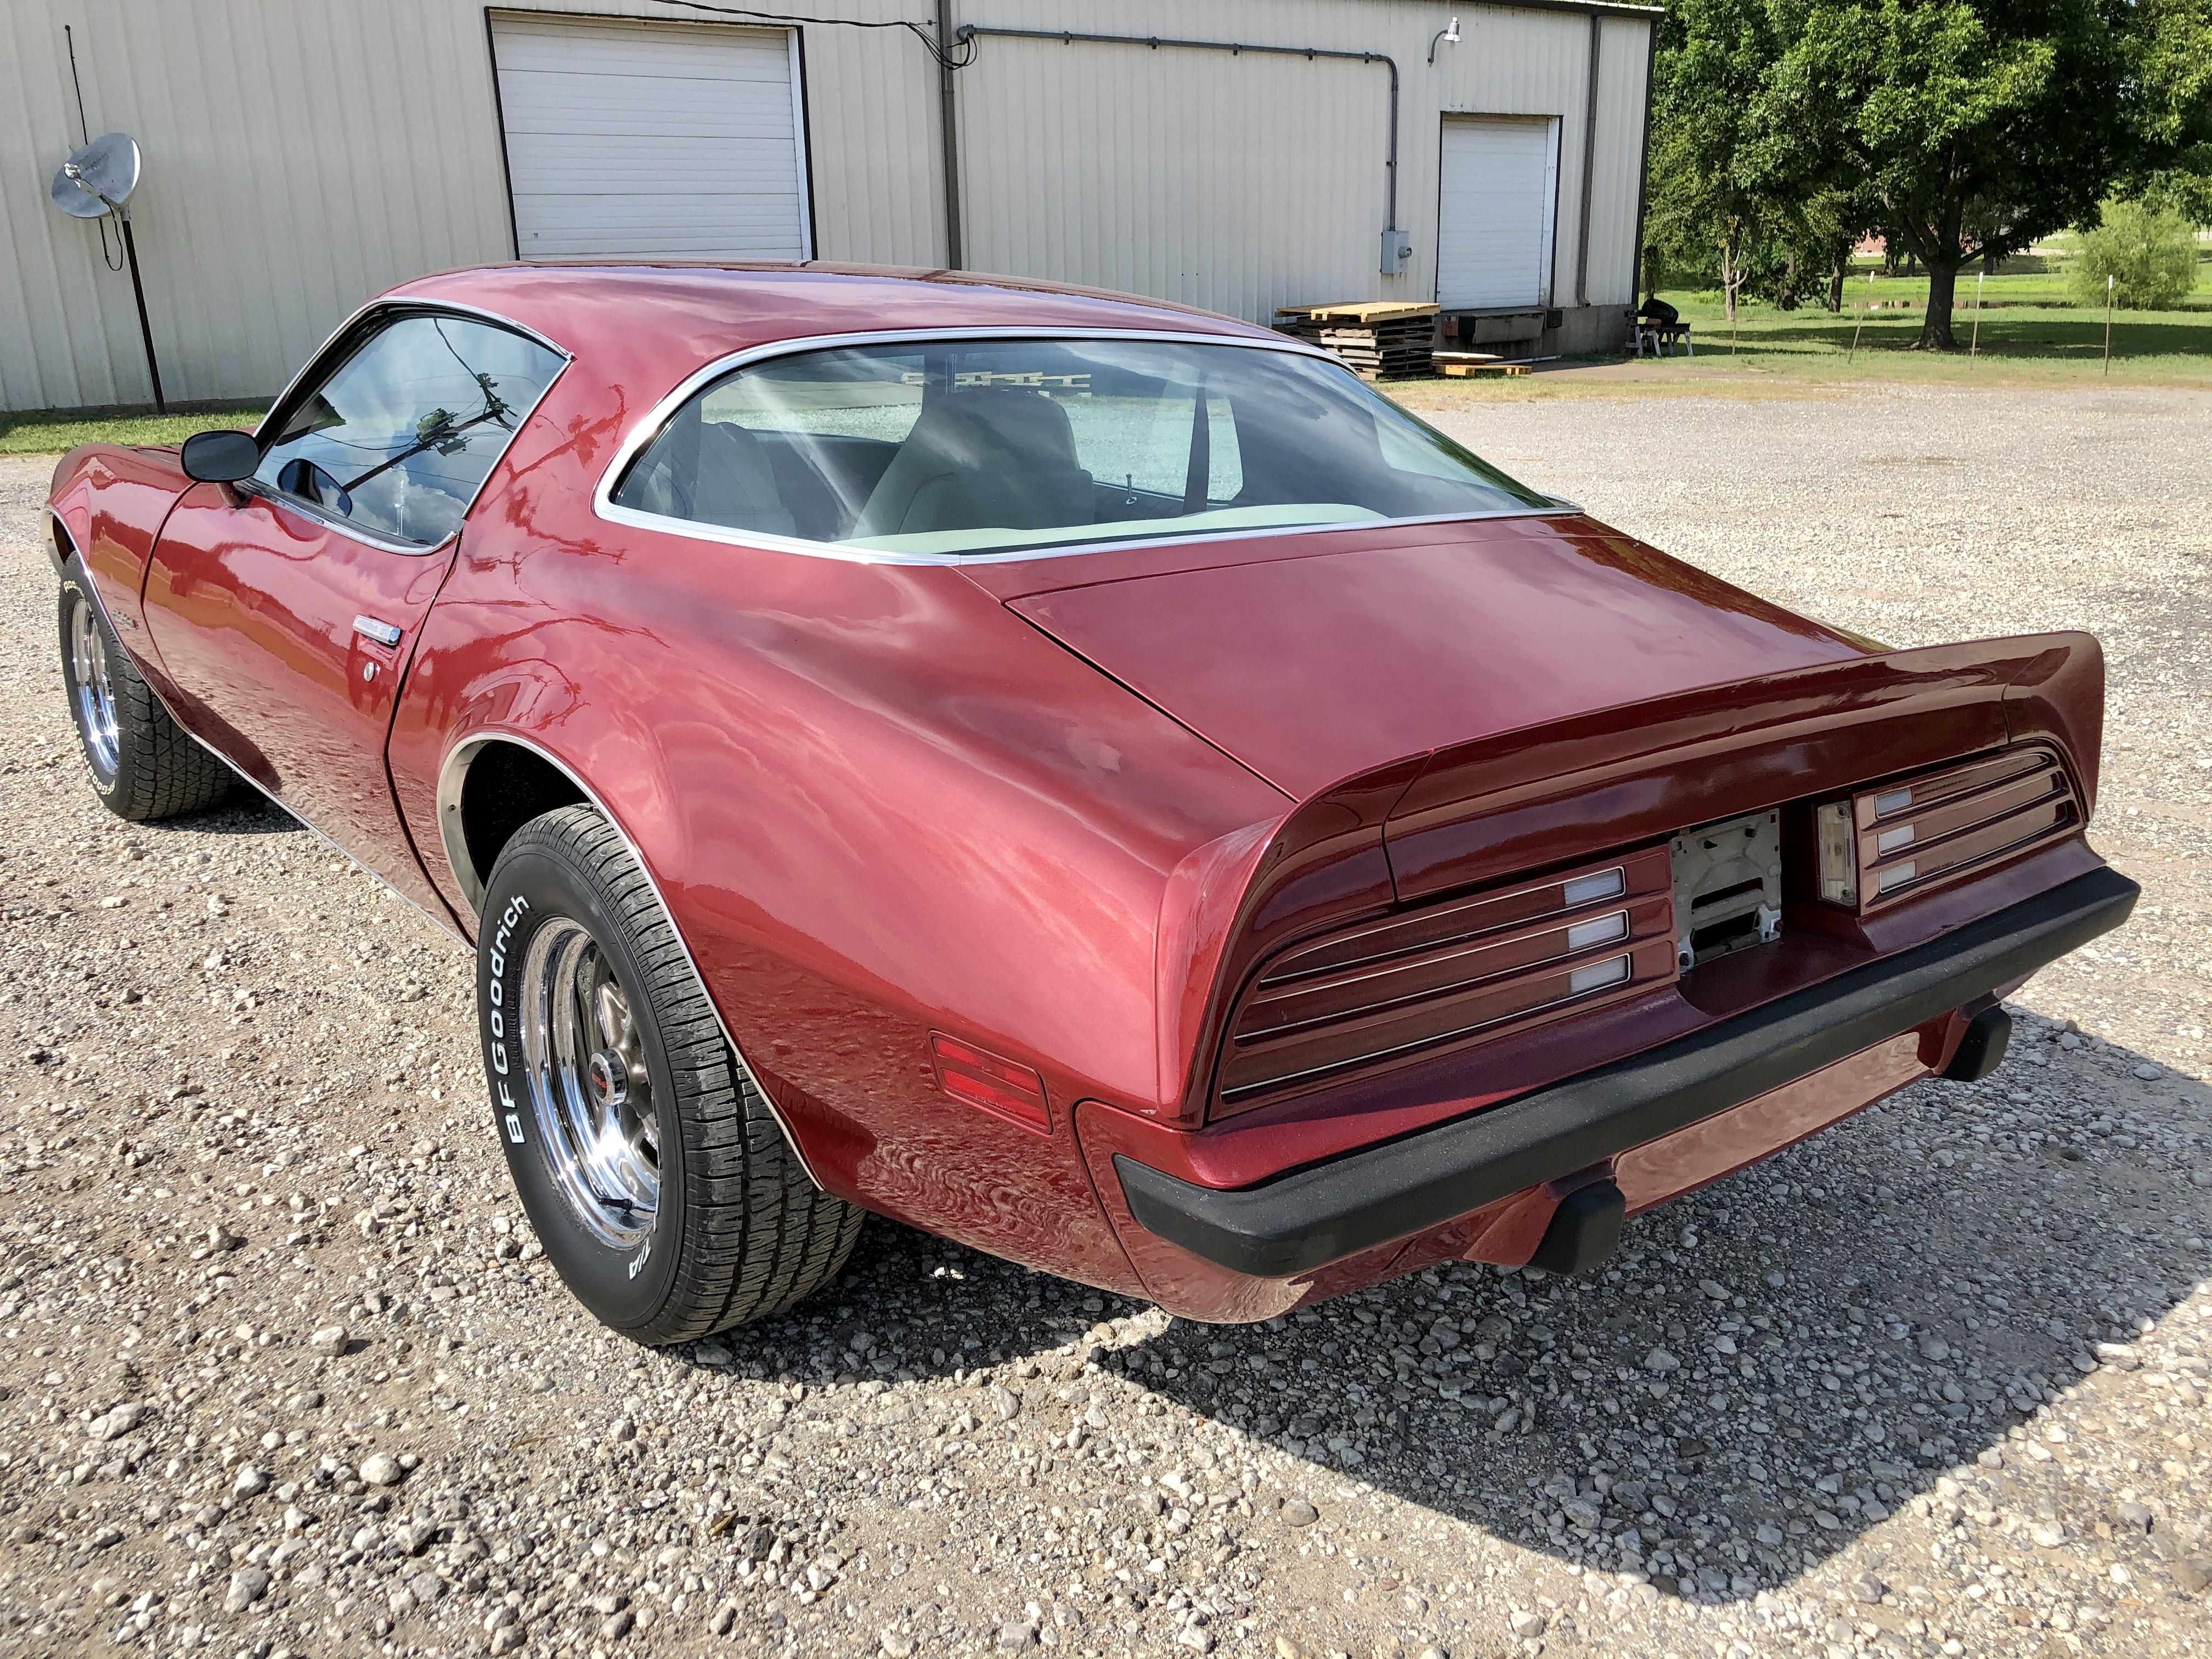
1308,1218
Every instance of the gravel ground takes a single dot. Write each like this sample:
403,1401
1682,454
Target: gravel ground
281,1371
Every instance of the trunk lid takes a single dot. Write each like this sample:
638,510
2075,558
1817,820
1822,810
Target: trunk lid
1311,659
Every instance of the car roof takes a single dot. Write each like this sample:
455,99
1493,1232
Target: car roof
603,313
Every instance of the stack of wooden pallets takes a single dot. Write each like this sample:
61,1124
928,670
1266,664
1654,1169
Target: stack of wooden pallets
1378,339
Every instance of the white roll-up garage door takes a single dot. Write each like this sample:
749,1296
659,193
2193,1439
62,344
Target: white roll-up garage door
630,140
1495,191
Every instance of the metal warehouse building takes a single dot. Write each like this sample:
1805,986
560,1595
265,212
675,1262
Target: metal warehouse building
1238,154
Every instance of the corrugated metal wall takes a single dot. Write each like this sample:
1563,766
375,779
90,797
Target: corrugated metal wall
302,154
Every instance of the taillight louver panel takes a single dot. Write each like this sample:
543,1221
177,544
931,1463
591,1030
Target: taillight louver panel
1925,832
1449,972
1446,971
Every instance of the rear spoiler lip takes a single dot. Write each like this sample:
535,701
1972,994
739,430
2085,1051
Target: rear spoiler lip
1512,805
1954,700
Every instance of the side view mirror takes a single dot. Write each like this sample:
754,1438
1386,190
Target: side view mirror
221,457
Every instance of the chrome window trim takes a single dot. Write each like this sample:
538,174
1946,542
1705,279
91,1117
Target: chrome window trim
345,527
387,303
323,517
452,773
634,442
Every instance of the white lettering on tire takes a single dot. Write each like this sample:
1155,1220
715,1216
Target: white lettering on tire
509,1117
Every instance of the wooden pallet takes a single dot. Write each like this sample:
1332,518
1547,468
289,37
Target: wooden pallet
1459,364
1376,339
1359,311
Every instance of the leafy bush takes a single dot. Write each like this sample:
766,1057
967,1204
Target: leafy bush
2150,254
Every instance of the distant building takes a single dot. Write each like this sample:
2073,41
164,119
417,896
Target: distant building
302,154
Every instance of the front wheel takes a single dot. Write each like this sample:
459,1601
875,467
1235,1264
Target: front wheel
145,765
658,1179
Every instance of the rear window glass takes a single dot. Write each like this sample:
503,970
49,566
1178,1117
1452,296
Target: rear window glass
1004,445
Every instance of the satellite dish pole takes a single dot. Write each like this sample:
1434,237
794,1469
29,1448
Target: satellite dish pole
96,180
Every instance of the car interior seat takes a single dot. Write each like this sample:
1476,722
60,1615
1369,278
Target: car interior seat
982,458
715,472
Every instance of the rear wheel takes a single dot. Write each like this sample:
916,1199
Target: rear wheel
143,764
657,1177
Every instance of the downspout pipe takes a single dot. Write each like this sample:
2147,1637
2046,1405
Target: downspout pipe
1071,37
955,254
1589,163
1636,271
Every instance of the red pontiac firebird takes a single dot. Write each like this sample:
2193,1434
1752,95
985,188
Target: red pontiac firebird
1084,777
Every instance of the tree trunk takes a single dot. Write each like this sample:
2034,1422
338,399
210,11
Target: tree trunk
1836,281
1936,328
1786,298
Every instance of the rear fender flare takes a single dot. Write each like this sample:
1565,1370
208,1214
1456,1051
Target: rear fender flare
453,772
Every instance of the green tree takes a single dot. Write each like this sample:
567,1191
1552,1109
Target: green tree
1976,126
1711,202
2172,164
2147,254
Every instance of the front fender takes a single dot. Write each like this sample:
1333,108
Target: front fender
68,498
112,500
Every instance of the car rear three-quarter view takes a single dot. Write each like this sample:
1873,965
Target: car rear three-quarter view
1088,779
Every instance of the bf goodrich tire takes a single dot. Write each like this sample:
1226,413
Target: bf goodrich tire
143,764
657,1179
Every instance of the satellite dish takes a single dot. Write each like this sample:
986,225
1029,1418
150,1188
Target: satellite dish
95,181
97,178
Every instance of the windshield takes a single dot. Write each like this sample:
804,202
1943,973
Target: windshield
1001,445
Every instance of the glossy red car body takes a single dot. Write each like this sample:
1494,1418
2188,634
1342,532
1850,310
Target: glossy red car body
885,799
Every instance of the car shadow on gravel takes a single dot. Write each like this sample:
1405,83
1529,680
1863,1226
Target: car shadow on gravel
244,812
910,1305
1764,1371
1771,1366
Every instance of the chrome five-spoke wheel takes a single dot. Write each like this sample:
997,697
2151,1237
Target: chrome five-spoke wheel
652,1169
95,693
590,1087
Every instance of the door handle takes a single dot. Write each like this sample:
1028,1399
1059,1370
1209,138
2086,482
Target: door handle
371,628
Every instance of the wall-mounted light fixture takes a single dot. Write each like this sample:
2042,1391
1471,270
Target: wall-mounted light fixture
1449,31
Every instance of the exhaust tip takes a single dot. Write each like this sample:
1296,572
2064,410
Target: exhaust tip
1585,1230
1982,1050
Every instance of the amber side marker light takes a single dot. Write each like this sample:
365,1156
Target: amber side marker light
990,1083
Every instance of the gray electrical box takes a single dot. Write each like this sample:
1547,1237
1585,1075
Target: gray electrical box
1397,248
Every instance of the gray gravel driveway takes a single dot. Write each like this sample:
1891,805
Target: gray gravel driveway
282,1372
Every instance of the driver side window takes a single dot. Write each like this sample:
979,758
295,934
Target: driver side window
401,434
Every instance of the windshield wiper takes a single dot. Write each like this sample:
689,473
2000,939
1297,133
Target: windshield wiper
444,431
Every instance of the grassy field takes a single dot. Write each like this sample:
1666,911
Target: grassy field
49,434
2031,334
2026,329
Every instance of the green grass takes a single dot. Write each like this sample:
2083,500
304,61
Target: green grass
2030,330
2022,341
2029,336
48,432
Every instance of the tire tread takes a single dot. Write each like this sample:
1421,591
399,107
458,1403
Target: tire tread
762,1234
161,771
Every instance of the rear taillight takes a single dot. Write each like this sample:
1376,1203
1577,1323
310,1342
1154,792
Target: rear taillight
1462,971
1883,845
